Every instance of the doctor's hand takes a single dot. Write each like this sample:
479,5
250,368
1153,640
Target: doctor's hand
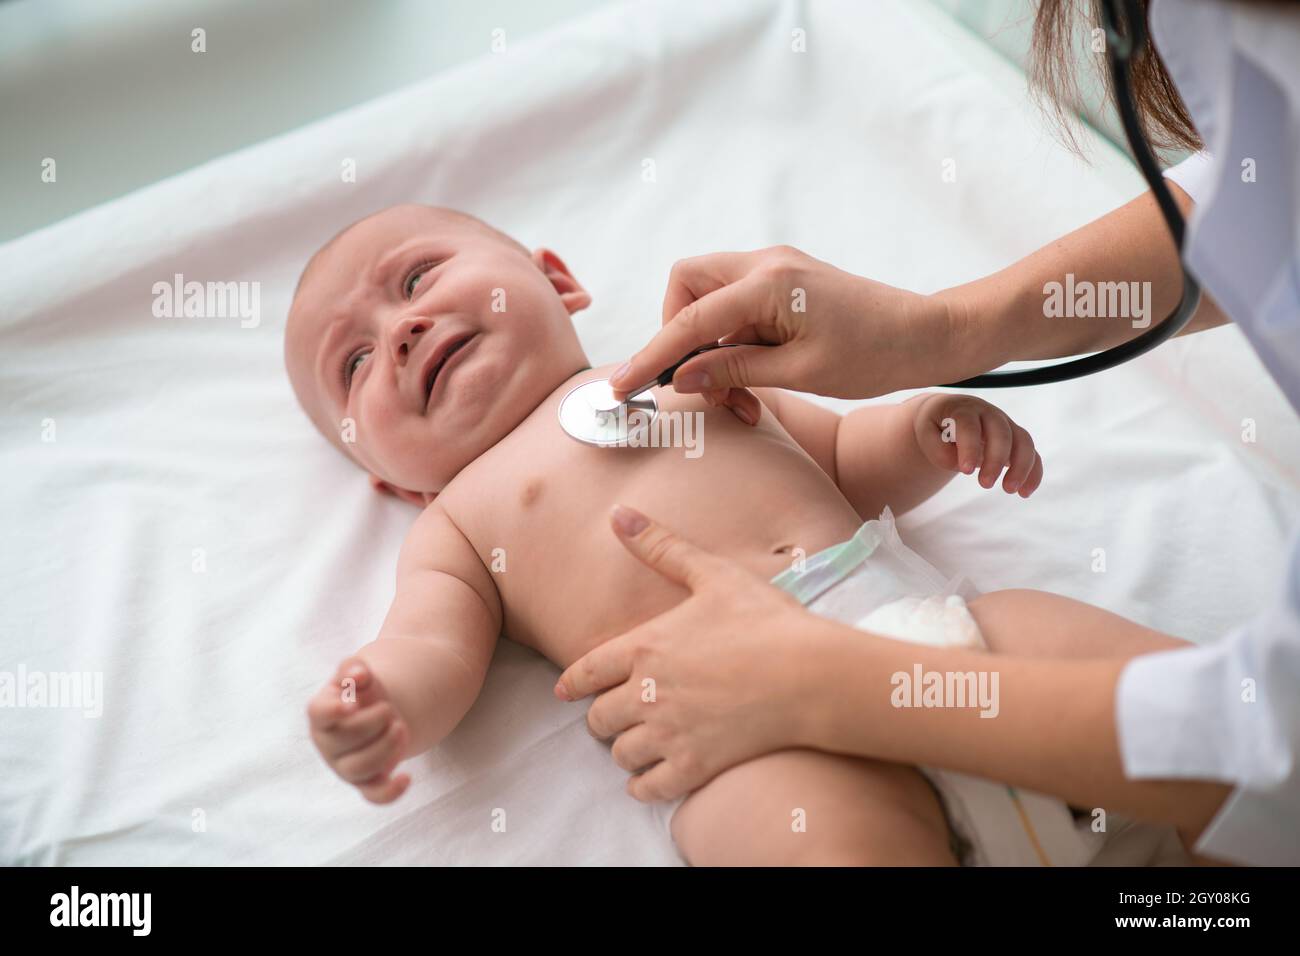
707,685
812,328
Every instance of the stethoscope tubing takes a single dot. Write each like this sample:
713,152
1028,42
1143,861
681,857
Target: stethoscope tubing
1119,53
1120,48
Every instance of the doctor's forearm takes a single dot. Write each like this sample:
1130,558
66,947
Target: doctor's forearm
1001,318
1054,729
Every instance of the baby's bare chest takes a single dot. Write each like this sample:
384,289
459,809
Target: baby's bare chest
536,509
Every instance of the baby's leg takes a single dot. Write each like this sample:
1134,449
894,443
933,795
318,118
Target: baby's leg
854,813
1039,624
865,812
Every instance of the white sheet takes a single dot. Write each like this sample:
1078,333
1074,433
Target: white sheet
179,434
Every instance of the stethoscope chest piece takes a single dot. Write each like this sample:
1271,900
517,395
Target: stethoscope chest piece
590,413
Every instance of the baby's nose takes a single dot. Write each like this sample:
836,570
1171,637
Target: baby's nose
407,333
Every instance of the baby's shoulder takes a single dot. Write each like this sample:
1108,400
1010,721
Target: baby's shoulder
436,555
435,537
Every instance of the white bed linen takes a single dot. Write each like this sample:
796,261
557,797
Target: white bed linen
179,434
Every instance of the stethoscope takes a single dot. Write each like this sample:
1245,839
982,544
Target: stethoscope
1120,48
591,414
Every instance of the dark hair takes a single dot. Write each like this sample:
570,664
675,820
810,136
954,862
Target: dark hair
1160,109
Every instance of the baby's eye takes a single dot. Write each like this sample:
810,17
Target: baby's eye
351,365
412,280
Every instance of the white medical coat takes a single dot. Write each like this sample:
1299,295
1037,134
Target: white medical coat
1230,711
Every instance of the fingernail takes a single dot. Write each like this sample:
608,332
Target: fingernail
693,382
1012,486
746,416
622,370
560,692
628,522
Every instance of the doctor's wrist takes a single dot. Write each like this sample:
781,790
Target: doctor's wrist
975,339
827,674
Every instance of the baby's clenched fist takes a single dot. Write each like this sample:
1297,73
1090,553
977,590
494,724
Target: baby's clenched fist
359,732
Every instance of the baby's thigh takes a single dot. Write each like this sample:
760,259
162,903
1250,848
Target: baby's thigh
854,813
1039,624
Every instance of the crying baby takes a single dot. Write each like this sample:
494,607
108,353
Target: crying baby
445,347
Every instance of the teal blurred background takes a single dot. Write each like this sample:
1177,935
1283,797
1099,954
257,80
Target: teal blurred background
111,90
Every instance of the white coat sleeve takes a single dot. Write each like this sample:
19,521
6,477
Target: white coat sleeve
1229,712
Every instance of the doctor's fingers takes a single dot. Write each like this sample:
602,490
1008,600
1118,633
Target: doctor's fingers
602,667
781,364
618,668
677,559
616,710
696,277
638,749
666,780
701,321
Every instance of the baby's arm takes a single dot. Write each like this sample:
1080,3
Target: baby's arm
900,455
415,682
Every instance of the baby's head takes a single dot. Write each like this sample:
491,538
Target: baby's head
434,334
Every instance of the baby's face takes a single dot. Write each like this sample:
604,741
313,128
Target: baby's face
434,335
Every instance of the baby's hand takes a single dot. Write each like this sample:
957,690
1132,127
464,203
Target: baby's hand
359,732
962,433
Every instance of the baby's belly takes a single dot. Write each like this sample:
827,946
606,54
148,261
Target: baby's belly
567,584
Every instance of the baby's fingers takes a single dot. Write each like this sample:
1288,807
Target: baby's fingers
385,789
356,685
997,448
354,680
326,709
376,759
967,435
1035,478
354,730
1022,460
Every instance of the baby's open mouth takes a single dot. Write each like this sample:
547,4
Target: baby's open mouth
456,345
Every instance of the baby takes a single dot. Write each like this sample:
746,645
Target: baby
433,350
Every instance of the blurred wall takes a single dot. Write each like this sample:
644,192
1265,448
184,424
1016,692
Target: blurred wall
112,91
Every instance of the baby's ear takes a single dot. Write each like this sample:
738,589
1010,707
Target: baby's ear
572,294
420,498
